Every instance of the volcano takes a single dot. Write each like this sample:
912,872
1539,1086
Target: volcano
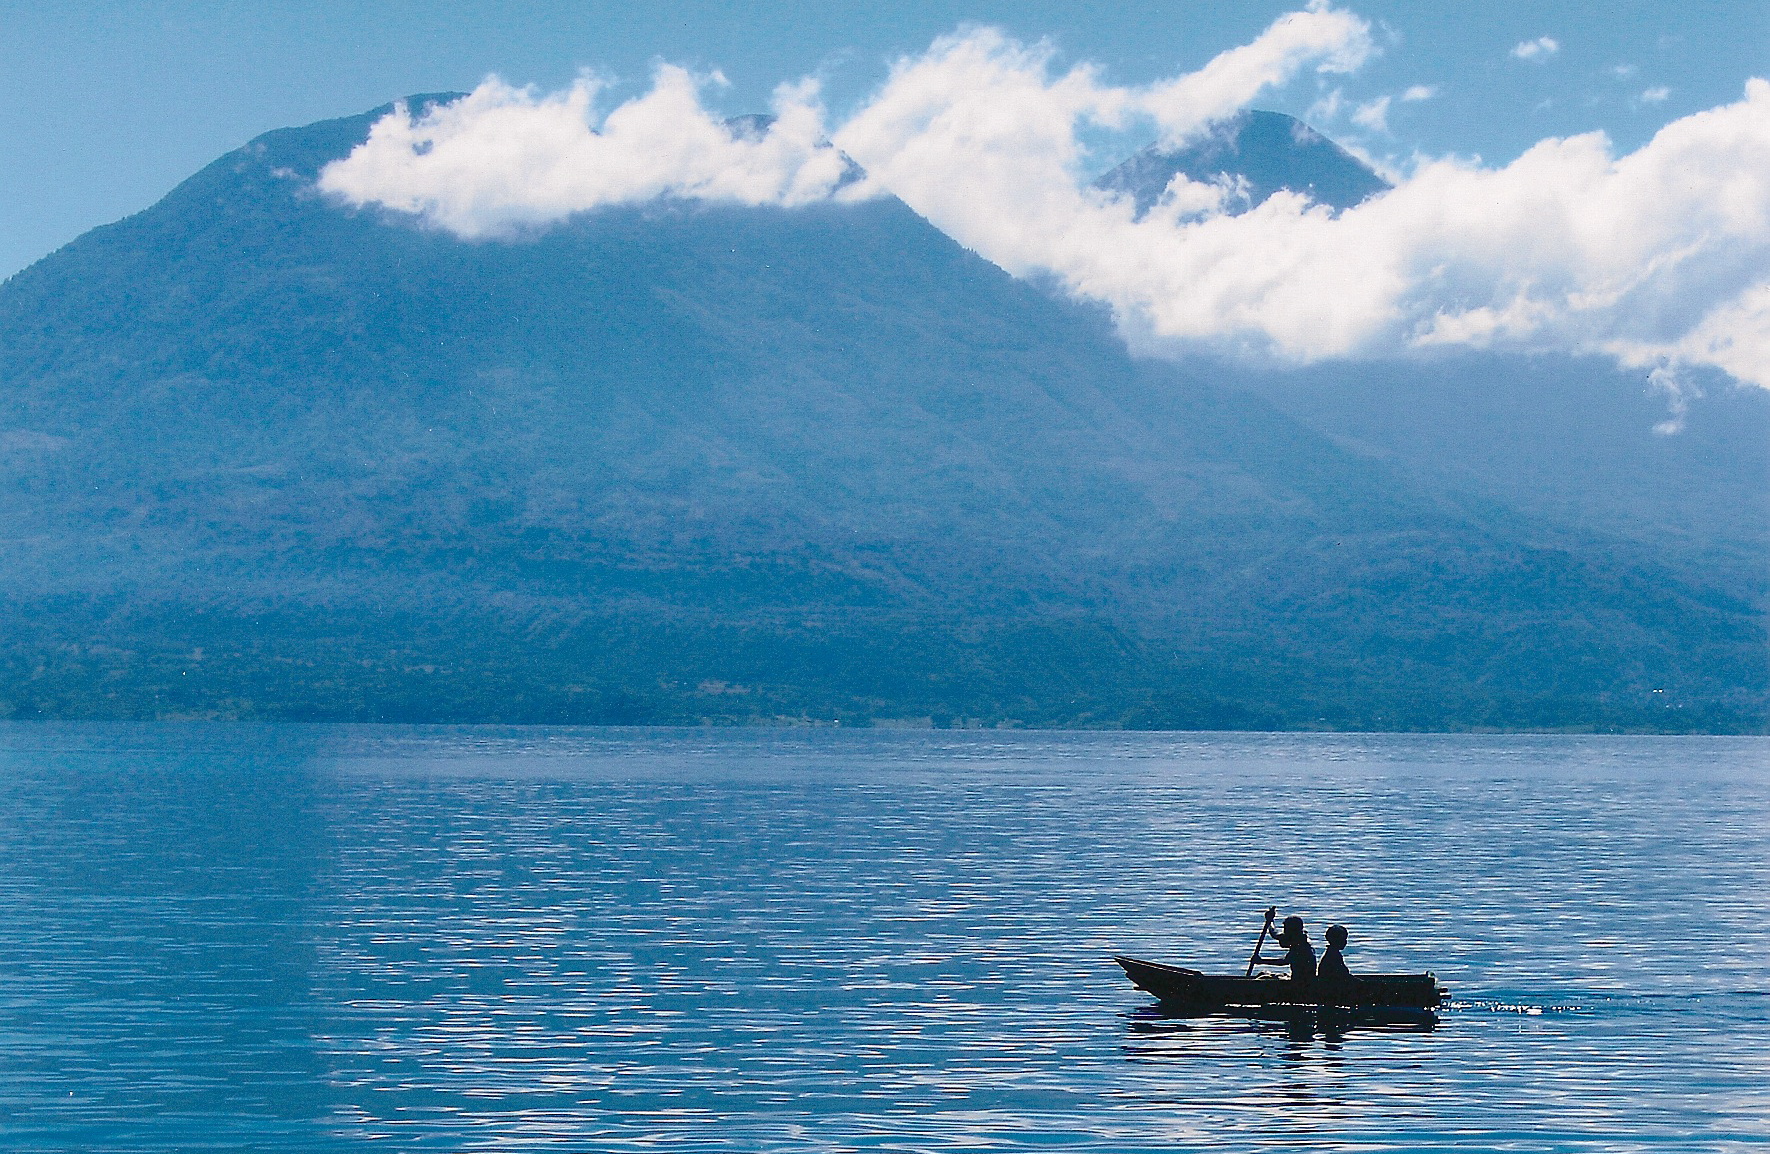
263,456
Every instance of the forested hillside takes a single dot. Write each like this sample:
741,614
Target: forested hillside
261,456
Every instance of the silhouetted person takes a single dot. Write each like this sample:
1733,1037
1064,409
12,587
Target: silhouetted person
1333,962
1299,955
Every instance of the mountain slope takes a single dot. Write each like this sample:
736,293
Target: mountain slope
1571,440
266,457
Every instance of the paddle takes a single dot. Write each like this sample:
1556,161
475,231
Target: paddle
1261,940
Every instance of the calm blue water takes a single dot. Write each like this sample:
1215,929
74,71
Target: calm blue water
453,939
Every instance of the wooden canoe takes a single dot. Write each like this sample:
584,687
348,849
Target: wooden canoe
1178,986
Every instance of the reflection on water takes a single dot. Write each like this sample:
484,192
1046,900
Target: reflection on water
1298,1036
303,938
1301,1024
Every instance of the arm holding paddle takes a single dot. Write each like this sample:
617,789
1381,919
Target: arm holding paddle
1260,941
1299,955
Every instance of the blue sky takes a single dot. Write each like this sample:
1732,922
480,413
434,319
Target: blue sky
108,105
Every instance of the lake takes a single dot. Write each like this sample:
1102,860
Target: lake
308,938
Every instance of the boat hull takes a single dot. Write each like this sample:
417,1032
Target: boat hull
1178,986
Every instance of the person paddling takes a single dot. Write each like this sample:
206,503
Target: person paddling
1299,955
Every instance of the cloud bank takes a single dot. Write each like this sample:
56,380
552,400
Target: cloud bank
1659,258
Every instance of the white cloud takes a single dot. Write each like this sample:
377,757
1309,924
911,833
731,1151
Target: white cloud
1327,107
1374,115
1657,258
1655,95
1420,92
505,158
1332,40
1679,391
1541,48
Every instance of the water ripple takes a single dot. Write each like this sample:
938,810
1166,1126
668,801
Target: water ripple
315,937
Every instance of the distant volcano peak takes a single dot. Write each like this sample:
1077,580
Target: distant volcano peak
1263,153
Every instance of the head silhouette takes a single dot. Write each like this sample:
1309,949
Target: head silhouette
1336,936
1292,931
